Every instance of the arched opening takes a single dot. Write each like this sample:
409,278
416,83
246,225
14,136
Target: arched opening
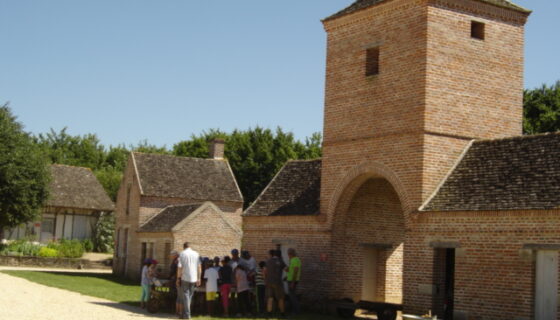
368,242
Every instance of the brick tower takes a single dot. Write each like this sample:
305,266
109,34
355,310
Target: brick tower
410,82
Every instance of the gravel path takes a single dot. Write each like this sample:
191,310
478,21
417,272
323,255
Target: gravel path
25,300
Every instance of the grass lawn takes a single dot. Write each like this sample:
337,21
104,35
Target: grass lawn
100,285
106,286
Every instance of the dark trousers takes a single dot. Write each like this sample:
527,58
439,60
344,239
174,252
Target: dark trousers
243,302
292,294
261,301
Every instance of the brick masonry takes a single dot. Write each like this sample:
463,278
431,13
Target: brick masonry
390,139
208,225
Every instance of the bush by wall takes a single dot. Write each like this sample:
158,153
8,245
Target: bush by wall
48,252
63,249
88,245
68,248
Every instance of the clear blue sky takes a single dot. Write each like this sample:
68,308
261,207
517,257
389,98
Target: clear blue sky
130,70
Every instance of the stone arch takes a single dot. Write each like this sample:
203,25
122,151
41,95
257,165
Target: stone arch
368,214
353,180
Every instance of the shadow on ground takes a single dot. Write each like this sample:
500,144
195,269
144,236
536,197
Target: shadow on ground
129,306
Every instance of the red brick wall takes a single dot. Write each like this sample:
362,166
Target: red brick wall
311,241
494,274
208,234
474,88
374,217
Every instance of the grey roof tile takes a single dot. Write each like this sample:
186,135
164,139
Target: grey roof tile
188,178
168,218
508,174
77,187
294,190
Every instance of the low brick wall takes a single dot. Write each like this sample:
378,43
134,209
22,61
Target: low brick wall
62,263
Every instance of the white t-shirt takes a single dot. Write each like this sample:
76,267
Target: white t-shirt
211,275
241,280
189,260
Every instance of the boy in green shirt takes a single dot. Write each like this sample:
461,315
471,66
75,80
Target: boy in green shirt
293,277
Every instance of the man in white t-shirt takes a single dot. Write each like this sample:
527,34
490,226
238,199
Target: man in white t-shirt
188,277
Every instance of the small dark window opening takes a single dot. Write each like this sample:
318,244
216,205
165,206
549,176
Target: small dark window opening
372,61
477,30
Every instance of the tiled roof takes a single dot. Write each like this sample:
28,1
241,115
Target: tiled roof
188,178
507,174
362,4
168,218
76,187
293,191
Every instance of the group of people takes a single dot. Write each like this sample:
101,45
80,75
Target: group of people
236,280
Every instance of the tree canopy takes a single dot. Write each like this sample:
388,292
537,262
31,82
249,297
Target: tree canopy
541,109
24,173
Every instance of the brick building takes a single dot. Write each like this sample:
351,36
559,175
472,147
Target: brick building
427,194
164,201
76,201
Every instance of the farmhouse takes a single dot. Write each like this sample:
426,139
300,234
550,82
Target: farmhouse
164,201
427,195
76,201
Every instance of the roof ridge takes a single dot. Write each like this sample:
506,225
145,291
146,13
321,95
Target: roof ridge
360,5
305,160
521,137
174,156
70,166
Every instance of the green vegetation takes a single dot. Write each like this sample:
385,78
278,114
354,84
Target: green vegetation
24,174
47,252
68,248
103,233
105,286
61,249
21,247
541,109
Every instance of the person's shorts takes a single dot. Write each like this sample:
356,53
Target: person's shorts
211,296
275,291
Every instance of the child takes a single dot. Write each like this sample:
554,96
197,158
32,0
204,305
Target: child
260,285
225,273
145,282
242,289
211,276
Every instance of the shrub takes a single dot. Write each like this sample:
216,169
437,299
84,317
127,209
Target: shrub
103,233
88,245
48,252
23,247
70,248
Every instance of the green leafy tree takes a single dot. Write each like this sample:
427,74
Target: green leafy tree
197,146
145,147
24,173
82,151
541,109
110,178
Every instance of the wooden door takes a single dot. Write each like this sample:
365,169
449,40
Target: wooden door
369,284
546,285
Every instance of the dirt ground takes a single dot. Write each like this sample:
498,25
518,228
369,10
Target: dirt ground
25,300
